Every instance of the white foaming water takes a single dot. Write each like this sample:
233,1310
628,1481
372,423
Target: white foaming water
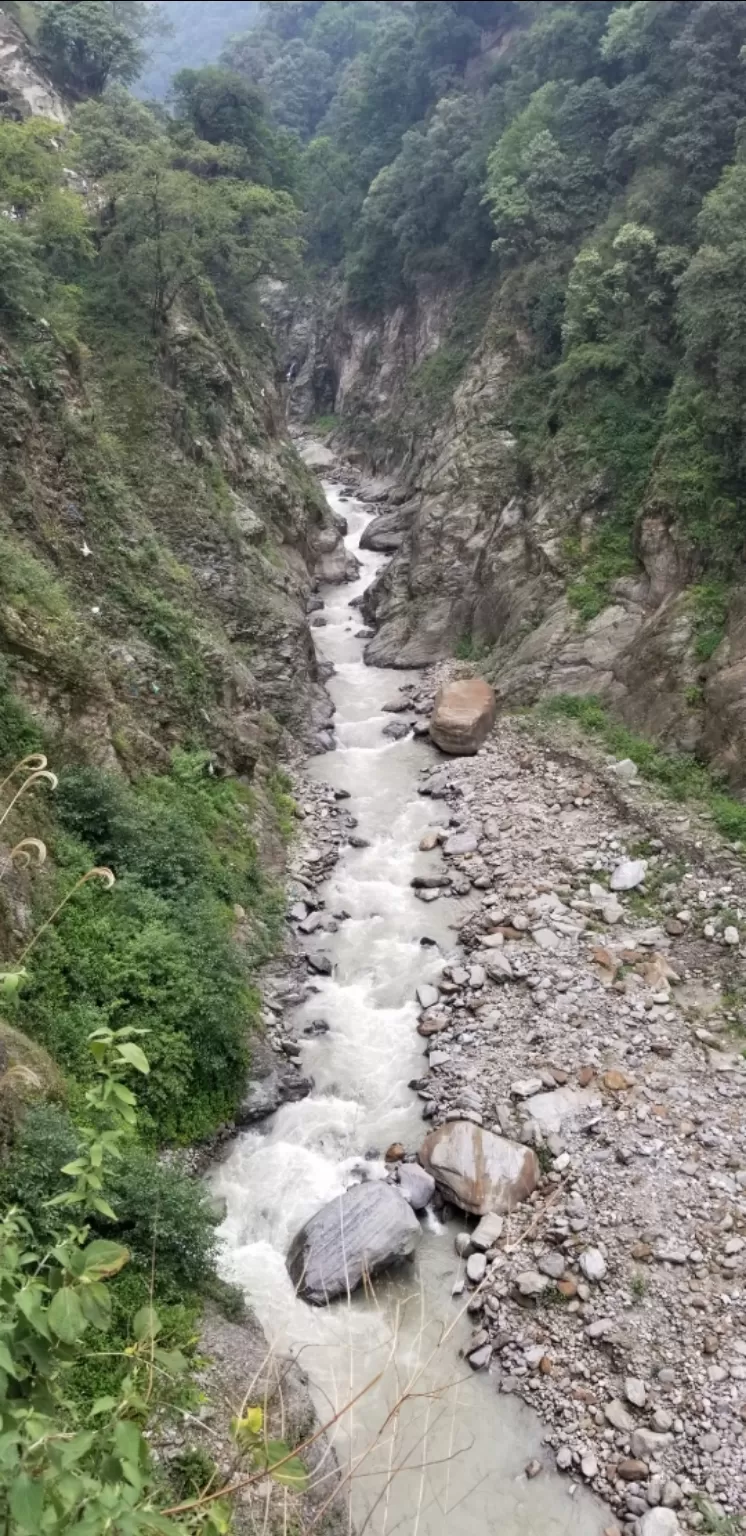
460,1449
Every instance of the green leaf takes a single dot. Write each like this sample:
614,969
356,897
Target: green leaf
26,1502
145,1324
130,1448
292,1473
102,1405
7,1363
101,1205
75,1449
134,1056
172,1361
29,1302
66,1315
96,1303
10,981
103,1259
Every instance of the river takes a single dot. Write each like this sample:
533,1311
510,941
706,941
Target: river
453,1456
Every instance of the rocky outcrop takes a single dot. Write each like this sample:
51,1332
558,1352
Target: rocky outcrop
478,1170
367,1229
463,716
25,90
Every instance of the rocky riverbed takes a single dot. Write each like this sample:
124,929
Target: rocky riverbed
588,1009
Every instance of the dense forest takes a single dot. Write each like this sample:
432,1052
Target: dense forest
585,160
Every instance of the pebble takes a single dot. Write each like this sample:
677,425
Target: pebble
593,1265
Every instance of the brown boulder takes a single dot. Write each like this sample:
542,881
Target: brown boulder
463,716
478,1170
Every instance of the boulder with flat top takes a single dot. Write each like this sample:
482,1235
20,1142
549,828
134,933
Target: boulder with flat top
369,1228
478,1170
463,716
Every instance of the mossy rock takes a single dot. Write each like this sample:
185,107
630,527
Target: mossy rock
28,1075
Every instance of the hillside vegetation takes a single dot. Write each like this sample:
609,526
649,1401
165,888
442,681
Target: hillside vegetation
158,538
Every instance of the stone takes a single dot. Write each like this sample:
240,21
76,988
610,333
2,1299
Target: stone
498,966
367,1229
321,964
428,842
552,1264
561,1108
427,995
593,1264
619,1416
479,1170
396,730
476,1268
395,1152
546,938
589,1466
463,716
481,1357
417,1186
267,1094
634,1391
531,1283
532,1468
626,770
488,1231
628,874
463,1244
631,1470
461,842
731,936
526,1087
564,1458
660,1522
648,1445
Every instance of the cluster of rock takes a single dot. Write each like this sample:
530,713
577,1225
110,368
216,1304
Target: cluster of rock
584,1021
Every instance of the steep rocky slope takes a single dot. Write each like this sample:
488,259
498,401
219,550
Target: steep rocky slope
485,550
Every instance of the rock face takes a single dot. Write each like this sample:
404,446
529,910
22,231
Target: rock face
480,1171
367,1229
463,717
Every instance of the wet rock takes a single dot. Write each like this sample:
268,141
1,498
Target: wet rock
321,964
266,1095
364,1231
396,730
478,1170
416,1185
463,716
427,995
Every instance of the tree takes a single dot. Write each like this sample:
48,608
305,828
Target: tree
223,108
89,43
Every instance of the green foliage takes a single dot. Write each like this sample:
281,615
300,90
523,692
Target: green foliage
469,649
159,953
87,44
710,604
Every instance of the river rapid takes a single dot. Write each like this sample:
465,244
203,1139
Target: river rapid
453,1455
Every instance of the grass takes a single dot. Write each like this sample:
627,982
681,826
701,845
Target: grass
710,609
718,1525
678,774
638,1285
324,425
607,558
470,649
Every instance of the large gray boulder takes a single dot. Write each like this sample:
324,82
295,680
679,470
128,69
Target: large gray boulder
478,1170
367,1229
463,716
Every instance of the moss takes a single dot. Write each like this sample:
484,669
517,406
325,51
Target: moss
709,601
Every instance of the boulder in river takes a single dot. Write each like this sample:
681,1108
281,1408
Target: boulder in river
463,716
367,1229
478,1170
